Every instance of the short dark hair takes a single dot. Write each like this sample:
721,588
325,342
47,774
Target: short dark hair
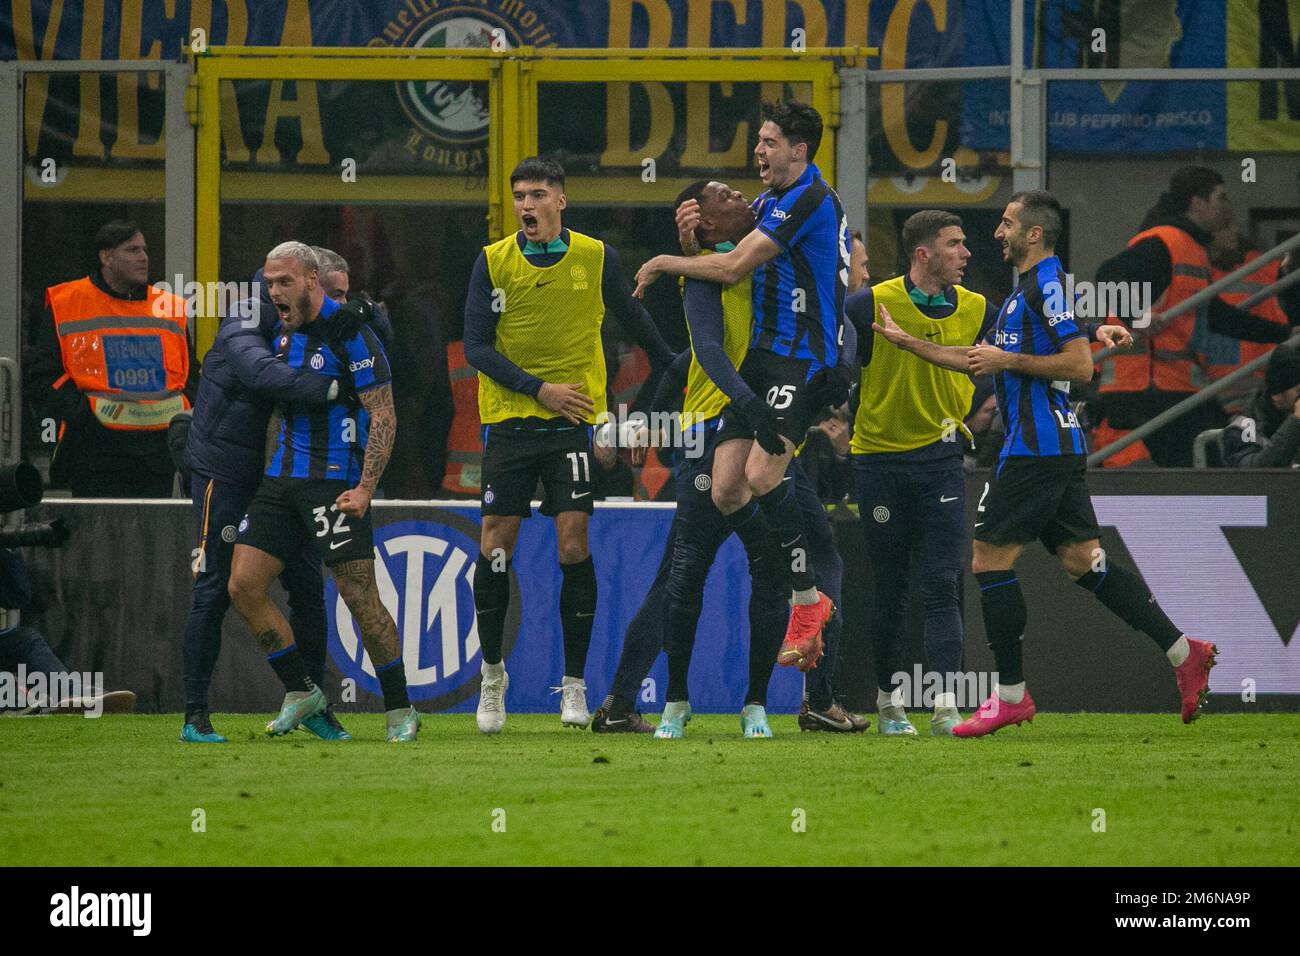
1040,208
538,169
1184,185
799,123
923,227
857,234
694,191
113,234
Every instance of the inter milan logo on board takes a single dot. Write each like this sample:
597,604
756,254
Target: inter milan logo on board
425,573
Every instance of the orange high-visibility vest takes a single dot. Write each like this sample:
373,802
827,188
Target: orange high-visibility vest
464,442
1222,354
130,359
1167,361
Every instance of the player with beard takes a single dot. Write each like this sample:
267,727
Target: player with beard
1039,491
323,472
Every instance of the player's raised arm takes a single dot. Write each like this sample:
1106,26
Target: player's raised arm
726,268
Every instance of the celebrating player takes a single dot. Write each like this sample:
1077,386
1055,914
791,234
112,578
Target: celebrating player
798,257
533,317
326,464
1035,349
719,321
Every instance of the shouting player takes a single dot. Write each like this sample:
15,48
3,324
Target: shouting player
537,300
1034,351
323,472
798,257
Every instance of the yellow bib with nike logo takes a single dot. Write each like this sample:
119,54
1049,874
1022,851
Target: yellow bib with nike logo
704,400
549,326
906,402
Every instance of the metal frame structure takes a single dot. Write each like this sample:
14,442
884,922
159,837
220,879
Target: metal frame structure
192,167
178,170
513,77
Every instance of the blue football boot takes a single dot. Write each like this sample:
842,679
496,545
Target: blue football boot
753,721
672,725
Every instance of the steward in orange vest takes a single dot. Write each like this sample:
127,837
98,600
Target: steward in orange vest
109,365
1222,355
1169,255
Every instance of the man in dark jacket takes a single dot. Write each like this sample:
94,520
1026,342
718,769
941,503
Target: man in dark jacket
225,456
1268,436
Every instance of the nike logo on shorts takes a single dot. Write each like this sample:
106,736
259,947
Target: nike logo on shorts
575,495
944,501
338,544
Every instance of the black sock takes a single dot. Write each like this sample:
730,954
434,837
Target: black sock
781,509
679,663
1004,622
617,706
289,667
577,613
750,525
1124,593
392,680
491,600
768,612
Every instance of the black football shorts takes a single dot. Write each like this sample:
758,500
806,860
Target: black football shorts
1037,497
286,513
515,459
782,382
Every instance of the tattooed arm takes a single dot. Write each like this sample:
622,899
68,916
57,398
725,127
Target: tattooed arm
379,445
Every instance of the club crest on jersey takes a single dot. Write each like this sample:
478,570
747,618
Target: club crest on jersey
579,276
703,482
317,361
880,513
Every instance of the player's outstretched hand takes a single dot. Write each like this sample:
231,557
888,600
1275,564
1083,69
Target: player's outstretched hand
354,502
646,276
757,415
567,400
1114,336
889,329
344,324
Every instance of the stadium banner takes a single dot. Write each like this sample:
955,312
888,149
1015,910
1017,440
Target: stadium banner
1219,554
1263,116
1114,116
441,127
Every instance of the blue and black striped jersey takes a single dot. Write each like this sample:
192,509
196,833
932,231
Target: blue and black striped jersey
799,295
329,440
1036,320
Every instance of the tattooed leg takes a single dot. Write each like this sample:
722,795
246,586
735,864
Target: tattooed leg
356,584
251,574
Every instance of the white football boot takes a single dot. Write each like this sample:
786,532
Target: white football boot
491,713
573,702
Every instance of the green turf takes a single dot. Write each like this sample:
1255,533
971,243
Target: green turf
122,790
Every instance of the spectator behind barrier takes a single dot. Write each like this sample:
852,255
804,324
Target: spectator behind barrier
1268,436
1170,254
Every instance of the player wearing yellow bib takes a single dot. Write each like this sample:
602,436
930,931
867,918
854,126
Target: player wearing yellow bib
908,437
537,301
720,322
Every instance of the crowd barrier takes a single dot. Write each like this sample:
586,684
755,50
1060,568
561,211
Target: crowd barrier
1220,550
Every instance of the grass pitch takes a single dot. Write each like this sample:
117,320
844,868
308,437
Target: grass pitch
123,791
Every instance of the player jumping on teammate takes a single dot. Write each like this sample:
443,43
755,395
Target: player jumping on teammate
798,256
